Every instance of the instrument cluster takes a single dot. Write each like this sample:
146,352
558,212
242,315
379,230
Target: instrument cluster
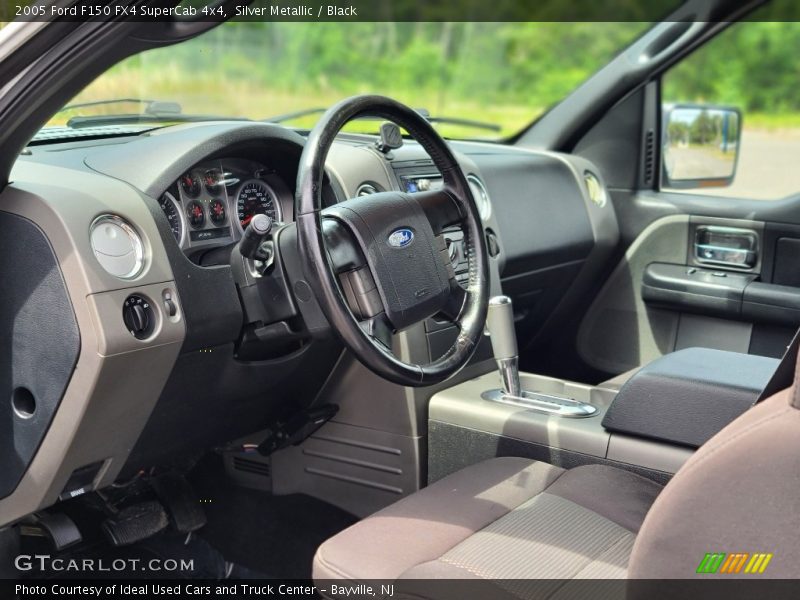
213,202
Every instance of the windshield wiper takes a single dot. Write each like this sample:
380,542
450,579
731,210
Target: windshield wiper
424,112
135,119
163,106
155,111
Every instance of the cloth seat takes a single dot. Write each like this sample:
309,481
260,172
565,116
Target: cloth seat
520,525
502,519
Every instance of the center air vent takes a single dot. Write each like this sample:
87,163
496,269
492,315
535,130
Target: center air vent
367,189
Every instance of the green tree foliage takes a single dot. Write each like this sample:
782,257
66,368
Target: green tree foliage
535,64
752,65
505,73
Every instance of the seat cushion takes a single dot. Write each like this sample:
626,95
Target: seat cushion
425,525
505,518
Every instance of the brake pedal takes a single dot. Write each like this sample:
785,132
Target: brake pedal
182,504
135,523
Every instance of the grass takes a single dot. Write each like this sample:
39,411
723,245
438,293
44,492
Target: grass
772,122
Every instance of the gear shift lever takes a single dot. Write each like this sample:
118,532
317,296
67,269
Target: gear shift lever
500,321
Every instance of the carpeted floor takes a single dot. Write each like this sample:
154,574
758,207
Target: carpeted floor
276,536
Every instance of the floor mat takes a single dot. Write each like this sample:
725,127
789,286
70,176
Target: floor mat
274,535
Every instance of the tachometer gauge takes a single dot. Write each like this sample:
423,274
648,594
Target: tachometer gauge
169,205
217,212
213,179
190,184
195,214
253,198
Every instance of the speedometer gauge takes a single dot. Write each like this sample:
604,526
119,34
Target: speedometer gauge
169,205
256,198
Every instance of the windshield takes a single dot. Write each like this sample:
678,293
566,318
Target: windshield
475,80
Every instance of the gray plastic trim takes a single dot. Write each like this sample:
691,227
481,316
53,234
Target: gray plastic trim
117,378
647,453
359,470
462,406
620,332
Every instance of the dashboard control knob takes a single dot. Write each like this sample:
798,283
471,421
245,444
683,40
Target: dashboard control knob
138,315
256,233
169,304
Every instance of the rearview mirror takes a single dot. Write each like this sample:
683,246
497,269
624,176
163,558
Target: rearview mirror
700,145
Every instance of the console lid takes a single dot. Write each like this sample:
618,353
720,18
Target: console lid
688,396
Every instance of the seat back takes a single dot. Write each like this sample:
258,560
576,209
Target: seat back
738,495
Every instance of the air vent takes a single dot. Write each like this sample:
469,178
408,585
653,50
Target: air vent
367,189
253,467
593,186
117,246
481,196
649,157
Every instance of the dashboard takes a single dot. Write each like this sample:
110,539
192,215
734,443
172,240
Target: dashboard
167,343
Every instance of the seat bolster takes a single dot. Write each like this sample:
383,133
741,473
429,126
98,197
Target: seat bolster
425,525
619,496
737,494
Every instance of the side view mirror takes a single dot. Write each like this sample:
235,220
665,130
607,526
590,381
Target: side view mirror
700,145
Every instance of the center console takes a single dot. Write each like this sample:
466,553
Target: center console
651,424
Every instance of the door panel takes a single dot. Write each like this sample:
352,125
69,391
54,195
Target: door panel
676,288
620,332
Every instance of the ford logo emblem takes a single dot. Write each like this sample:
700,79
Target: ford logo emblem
400,238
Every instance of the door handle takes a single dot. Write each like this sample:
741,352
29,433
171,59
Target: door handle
726,246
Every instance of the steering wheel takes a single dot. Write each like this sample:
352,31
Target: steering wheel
378,264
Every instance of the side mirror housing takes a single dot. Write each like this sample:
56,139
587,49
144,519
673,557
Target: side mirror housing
700,145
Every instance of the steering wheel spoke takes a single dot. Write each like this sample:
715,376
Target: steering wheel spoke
441,208
454,307
378,329
343,252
